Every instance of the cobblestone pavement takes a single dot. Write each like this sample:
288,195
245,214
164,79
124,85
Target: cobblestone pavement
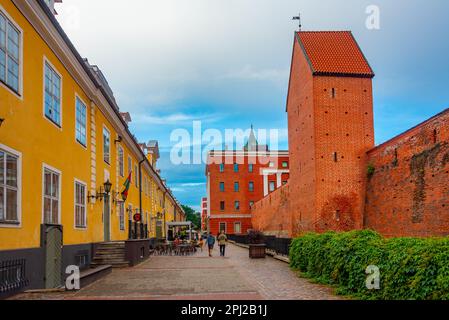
235,277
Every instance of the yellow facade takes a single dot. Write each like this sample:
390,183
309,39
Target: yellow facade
39,143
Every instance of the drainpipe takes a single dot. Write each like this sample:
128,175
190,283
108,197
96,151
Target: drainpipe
140,195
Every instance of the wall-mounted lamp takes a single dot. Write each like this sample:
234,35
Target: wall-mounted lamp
120,139
102,194
1,121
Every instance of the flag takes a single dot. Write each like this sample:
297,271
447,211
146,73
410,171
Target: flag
126,185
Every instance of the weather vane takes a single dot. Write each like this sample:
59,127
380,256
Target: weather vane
298,17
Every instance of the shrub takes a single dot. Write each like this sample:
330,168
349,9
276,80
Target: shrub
255,237
410,268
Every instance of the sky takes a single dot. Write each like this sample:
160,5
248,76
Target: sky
226,63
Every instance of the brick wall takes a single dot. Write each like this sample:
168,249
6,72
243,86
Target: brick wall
272,214
408,194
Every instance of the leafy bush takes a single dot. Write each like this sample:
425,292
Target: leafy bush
410,268
255,237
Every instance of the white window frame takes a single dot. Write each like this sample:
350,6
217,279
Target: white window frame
54,170
77,97
19,188
240,224
105,129
18,94
130,165
120,206
82,183
121,164
136,176
47,61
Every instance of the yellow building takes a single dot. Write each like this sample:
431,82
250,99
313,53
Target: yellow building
63,144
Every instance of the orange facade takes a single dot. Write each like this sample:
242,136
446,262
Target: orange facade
237,180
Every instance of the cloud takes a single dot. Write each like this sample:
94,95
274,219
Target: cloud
172,119
248,72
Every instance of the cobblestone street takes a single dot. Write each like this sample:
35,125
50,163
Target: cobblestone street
235,277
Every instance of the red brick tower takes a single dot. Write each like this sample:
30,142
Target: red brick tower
330,122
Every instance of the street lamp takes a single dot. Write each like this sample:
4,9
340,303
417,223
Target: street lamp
100,195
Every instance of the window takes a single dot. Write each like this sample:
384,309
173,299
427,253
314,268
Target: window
251,186
106,146
80,205
284,164
236,187
237,227
250,168
52,95
222,167
121,161
222,205
122,216
136,176
10,39
222,227
272,186
284,183
237,205
236,167
9,188
251,203
222,187
130,165
51,196
271,164
80,126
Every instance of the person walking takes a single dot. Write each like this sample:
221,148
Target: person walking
222,242
210,243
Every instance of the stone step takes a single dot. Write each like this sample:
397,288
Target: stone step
110,248
99,252
113,265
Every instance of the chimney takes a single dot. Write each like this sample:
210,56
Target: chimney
51,5
126,117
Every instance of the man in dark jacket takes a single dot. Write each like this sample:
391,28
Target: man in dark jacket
210,243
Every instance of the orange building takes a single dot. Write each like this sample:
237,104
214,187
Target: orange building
236,180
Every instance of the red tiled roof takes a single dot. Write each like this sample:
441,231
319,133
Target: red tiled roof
334,53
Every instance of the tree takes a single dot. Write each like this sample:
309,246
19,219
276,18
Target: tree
194,217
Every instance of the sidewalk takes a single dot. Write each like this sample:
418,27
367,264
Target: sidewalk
235,277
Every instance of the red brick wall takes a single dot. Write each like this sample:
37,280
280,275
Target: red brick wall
343,127
272,215
408,194
301,131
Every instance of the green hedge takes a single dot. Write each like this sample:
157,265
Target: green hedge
410,268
